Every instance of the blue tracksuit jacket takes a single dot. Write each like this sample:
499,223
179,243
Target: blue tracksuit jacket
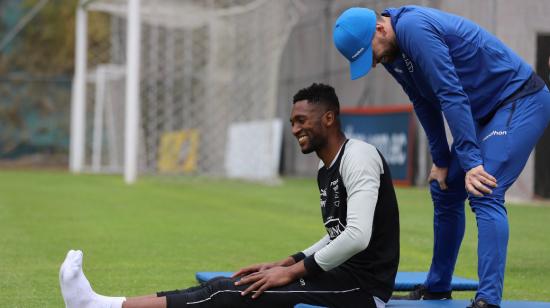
451,65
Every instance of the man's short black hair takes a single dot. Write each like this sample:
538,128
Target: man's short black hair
321,94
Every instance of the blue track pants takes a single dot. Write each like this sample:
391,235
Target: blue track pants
505,142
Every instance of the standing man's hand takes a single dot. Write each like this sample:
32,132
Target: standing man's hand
479,182
439,174
271,278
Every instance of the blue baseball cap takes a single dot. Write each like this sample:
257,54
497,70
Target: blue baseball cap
352,34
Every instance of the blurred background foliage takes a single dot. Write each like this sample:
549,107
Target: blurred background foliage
36,69
45,46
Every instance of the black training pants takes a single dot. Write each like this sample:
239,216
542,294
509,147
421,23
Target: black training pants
335,288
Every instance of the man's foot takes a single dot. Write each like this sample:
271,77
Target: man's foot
75,288
481,303
421,292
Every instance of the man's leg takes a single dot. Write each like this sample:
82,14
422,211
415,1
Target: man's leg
449,225
506,142
335,288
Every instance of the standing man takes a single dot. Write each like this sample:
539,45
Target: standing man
496,108
353,265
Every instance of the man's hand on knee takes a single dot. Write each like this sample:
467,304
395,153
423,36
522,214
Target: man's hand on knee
479,182
262,267
271,278
439,174
253,269
261,281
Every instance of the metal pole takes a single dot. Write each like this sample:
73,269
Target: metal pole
101,78
78,99
132,92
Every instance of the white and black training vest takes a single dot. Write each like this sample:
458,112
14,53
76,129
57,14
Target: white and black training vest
375,267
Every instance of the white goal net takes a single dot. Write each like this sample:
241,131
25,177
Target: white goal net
208,74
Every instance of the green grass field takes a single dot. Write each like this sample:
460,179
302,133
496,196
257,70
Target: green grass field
156,234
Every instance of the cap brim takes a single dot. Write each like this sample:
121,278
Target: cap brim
362,65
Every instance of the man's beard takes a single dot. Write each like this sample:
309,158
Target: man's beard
393,50
315,143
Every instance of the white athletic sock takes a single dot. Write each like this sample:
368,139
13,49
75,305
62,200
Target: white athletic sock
75,288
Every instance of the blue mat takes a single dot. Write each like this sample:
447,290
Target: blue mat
448,304
405,281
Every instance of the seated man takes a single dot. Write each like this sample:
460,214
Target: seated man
353,265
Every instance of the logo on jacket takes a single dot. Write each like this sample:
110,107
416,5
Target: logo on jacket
408,62
496,133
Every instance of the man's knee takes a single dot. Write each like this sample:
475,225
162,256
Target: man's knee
454,194
217,292
489,205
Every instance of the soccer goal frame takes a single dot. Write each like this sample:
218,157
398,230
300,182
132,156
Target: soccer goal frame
254,107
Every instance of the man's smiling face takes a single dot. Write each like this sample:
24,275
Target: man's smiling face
307,126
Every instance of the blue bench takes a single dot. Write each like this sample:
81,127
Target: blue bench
405,281
448,304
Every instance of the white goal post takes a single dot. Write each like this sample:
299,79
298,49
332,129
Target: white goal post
163,84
